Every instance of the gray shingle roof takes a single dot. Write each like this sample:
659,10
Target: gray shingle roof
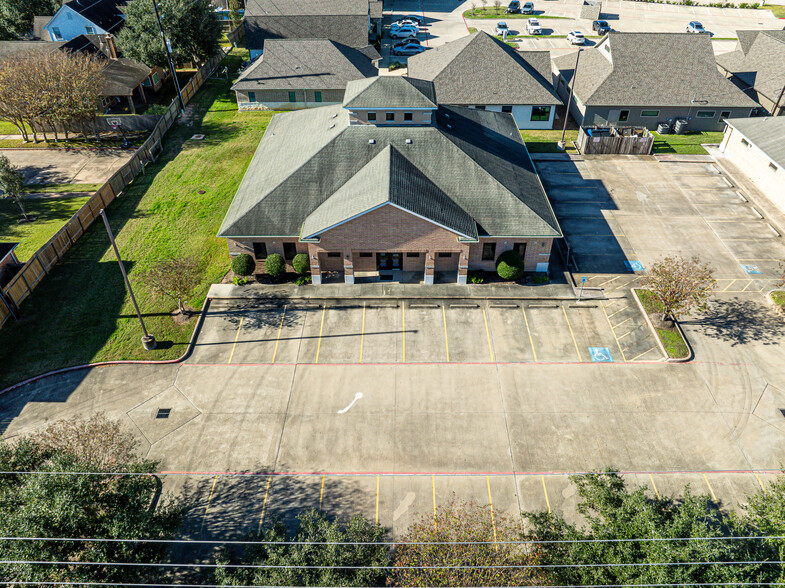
39,22
761,65
305,7
121,76
651,69
766,133
107,14
9,47
390,92
476,159
480,69
376,8
318,64
351,30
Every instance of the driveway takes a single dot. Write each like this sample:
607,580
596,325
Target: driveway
61,166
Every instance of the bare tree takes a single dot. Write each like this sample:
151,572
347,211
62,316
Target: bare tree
11,183
174,278
497,4
680,285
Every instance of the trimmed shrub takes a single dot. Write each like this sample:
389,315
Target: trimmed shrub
275,265
243,265
301,264
509,265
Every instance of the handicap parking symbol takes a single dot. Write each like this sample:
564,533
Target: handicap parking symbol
600,354
750,269
634,266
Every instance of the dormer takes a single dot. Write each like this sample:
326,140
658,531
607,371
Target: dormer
390,101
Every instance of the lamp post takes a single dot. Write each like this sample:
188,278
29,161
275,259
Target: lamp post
148,341
562,144
169,57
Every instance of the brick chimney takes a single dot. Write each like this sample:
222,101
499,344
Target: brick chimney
110,46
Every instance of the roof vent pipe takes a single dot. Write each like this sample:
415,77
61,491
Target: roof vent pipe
408,141
371,141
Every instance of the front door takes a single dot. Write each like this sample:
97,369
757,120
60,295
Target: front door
388,261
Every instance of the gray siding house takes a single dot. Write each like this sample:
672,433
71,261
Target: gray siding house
643,79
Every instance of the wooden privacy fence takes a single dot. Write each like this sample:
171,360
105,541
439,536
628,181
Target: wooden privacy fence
626,140
42,261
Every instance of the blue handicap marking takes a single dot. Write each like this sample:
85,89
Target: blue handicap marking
750,269
600,354
634,266
583,280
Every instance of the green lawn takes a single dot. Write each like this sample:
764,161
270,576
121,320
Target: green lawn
81,312
776,9
671,339
51,213
6,128
778,296
546,141
689,143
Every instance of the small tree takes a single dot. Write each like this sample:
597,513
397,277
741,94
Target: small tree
301,264
275,265
234,12
509,265
174,278
497,4
11,183
243,265
681,285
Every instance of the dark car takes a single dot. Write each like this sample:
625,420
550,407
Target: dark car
408,41
514,7
528,8
601,26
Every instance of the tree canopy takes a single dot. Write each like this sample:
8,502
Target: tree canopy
681,285
16,16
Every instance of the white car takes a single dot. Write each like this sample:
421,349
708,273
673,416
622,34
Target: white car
406,21
695,27
404,32
576,38
502,28
533,27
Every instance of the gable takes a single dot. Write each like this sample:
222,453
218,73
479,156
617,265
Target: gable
71,24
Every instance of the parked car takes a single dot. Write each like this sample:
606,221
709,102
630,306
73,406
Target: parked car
576,38
408,49
406,20
695,27
502,28
414,40
514,7
404,32
601,26
415,19
533,27
528,8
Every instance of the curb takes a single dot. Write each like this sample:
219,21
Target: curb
651,326
75,368
668,358
691,355
776,306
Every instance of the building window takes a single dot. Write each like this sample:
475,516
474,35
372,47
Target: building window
541,113
725,114
56,33
520,249
251,96
90,30
260,250
650,113
488,251
155,79
292,97
412,254
624,115
480,107
506,108
333,254
444,254
774,167
407,116
745,142
705,114
390,116
372,116
317,97
366,254
289,250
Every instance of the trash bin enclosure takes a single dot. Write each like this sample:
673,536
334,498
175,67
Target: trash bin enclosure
626,140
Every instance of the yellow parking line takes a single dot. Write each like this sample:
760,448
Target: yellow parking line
711,490
206,508
237,336
762,487
729,285
618,311
612,331
433,485
377,499
607,282
362,335
264,504
654,486
446,345
321,327
487,333
747,286
544,489
531,341
490,500
321,494
278,338
578,351
642,354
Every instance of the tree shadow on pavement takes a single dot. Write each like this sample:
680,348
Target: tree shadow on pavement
739,322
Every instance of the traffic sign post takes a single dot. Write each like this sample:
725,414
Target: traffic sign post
580,293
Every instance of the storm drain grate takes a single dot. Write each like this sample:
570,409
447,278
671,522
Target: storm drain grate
163,413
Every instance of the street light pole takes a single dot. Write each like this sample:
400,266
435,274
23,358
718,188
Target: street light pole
148,341
562,144
169,57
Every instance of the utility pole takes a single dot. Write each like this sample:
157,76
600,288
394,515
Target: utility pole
148,341
777,103
169,57
562,144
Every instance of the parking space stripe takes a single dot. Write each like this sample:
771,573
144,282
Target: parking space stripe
321,493
490,500
433,486
544,489
377,500
278,338
653,485
321,327
747,286
569,326
762,487
237,336
446,344
528,330
729,285
618,311
642,354
362,335
206,508
613,331
711,490
264,504
403,331
487,333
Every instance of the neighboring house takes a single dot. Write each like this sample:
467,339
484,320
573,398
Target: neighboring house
345,21
757,66
486,73
757,147
9,262
390,182
642,79
298,73
39,22
376,13
85,17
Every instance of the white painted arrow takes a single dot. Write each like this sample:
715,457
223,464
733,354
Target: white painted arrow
351,404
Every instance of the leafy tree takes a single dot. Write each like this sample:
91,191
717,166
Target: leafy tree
312,526
11,183
74,505
469,522
190,25
301,264
681,285
243,265
16,16
235,6
509,265
174,278
612,511
275,265
765,512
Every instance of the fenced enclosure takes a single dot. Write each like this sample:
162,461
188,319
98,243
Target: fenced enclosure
41,262
610,140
